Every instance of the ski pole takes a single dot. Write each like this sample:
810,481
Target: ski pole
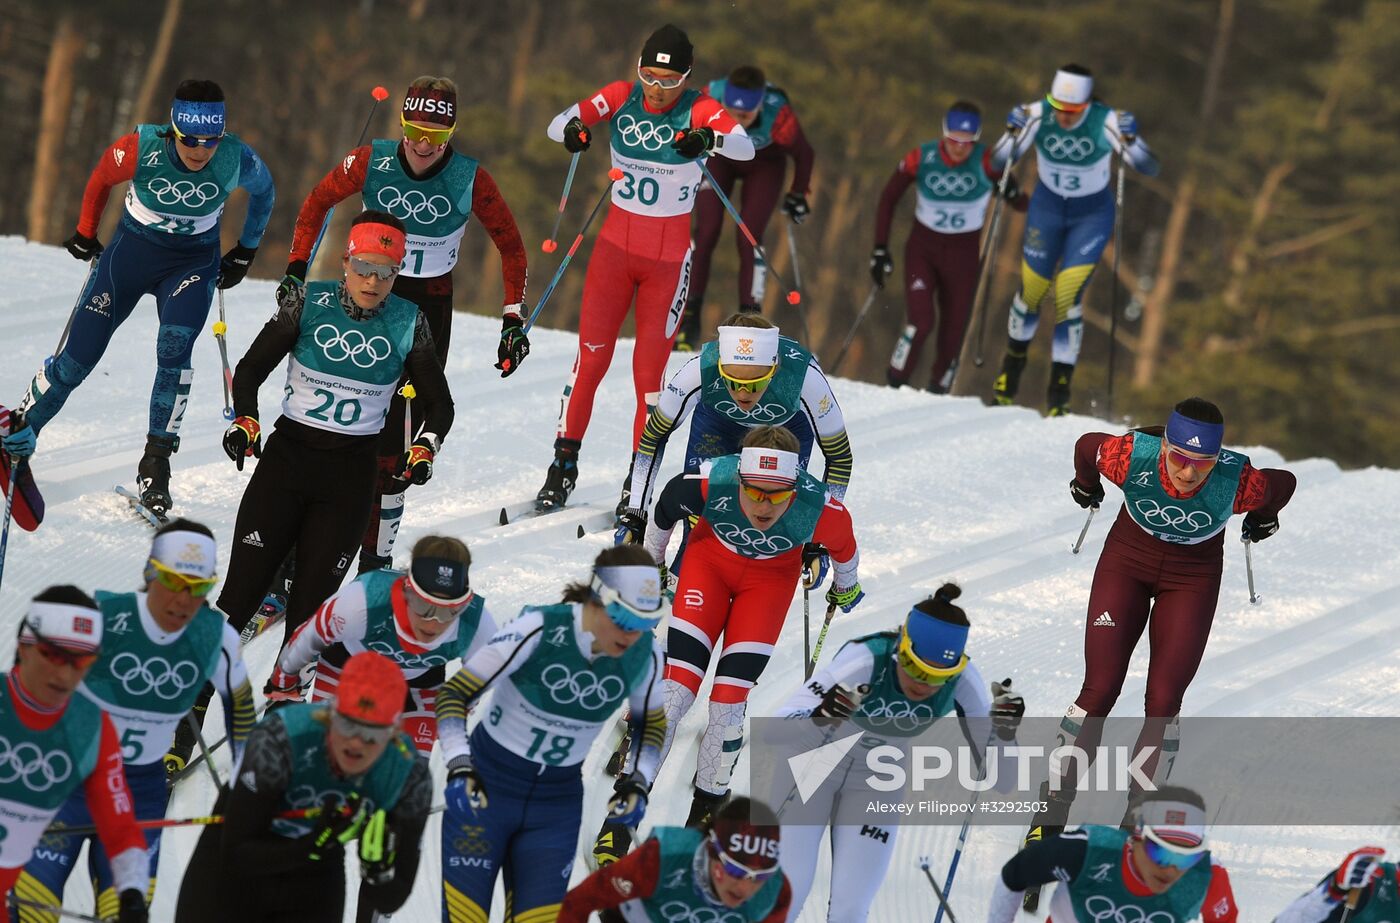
1113,299
821,638
17,902
550,245
797,281
163,823
793,297
409,393
807,627
851,334
1079,542
962,836
987,260
942,901
1248,569
17,469
220,334
203,749
1353,898
380,94
613,176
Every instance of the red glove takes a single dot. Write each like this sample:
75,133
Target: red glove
243,439
416,465
1358,869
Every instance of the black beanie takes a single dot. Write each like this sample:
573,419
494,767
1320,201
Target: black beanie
668,48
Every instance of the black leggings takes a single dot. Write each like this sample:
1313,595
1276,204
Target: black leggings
214,892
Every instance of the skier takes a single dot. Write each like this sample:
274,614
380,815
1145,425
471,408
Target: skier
956,180
749,376
727,872
659,129
44,727
515,790
1364,879
1071,217
766,114
1163,871
313,778
1160,570
891,684
757,510
166,245
435,191
421,620
159,647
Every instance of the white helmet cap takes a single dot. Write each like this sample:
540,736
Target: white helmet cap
68,625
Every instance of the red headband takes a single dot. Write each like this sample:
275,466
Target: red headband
371,237
422,104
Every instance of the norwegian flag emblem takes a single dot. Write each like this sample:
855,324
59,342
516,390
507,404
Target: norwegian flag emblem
1176,817
768,463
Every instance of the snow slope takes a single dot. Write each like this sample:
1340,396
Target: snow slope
943,488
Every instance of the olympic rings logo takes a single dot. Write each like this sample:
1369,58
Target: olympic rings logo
413,204
1067,147
27,764
950,185
167,680
182,191
586,688
1104,910
902,716
681,912
308,796
352,345
753,539
763,413
1173,517
405,660
647,135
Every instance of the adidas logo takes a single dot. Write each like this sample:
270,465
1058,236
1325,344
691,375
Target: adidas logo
1105,620
253,538
1194,442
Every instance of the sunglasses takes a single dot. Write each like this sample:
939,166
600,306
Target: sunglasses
177,582
1065,107
774,497
414,133
751,385
382,271
666,83
736,869
1163,855
921,671
431,609
192,141
1187,461
59,656
623,615
370,733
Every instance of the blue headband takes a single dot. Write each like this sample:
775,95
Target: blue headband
192,118
961,120
1193,435
742,98
936,642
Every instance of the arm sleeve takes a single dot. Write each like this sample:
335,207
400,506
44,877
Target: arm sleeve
600,107
782,905
1138,154
344,181
502,655
341,616
109,800
272,344
730,138
1098,454
680,396
231,681
788,134
852,666
1264,490
1016,146
407,819
1038,862
430,382
900,180
824,414
254,800
117,165
634,875
648,710
1220,906
255,177
836,532
495,216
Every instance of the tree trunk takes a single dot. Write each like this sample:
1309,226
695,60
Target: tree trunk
145,108
67,43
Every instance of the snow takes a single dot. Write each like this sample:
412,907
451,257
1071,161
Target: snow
943,489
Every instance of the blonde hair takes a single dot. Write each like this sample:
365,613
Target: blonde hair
748,319
772,437
442,546
430,82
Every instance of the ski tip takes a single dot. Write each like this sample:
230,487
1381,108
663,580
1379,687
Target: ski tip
505,519
581,532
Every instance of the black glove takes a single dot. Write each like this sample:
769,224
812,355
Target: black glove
1007,710
243,439
1012,192
795,207
338,824
82,248
628,805
838,703
131,906
1085,496
379,847
577,137
416,465
881,265
234,266
815,563
694,142
514,345
1257,528
631,527
291,291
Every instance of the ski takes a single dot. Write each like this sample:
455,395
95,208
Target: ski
598,524
154,519
260,623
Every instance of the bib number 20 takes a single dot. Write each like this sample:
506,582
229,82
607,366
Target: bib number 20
345,412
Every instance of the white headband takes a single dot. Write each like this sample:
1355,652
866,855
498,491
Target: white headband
65,624
191,554
1179,823
755,347
1075,89
768,465
638,585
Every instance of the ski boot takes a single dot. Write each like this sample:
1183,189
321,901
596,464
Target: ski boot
1009,381
613,842
561,477
1057,394
1045,824
703,807
153,475
893,380
625,500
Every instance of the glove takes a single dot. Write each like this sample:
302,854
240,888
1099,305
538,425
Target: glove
1017,119
338,824
815,563
694,142
1127,126
466,793
838,703
631,527
379,847
1085,496
1007,710
795,207
1012,192
234,266
243,439
880,265
21,442
131,907
1257,528
416,465
628,804
847,598
514,345
1358,869
577,137
282,690
82,248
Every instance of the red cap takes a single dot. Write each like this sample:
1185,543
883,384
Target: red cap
372,237
747,833
371,689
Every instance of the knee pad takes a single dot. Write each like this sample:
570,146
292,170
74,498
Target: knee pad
65,371
1069,336
1022,321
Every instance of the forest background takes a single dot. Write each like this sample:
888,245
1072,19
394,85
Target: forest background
1259,269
